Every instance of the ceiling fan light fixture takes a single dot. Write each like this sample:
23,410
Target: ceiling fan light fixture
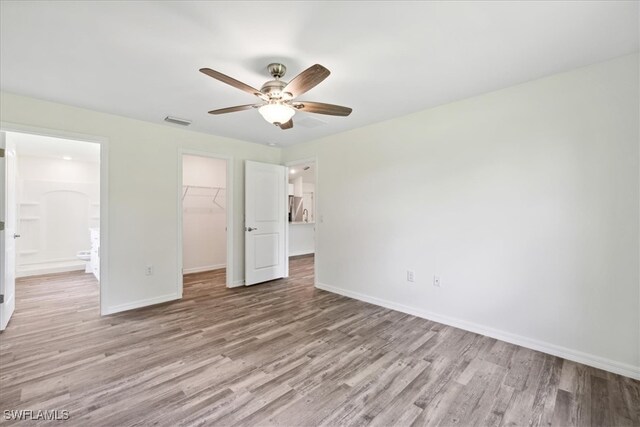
276,113
278,95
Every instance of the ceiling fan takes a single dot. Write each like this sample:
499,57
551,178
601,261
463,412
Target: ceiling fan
278,106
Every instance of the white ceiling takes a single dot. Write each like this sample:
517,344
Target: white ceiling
141,59
57,148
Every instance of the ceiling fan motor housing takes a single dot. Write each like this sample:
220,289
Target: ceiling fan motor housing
273,88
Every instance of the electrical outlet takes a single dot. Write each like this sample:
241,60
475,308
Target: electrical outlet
149,270
436,281
410,276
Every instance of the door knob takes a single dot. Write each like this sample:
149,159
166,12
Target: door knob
251,229
15,236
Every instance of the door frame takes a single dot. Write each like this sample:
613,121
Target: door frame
104,192
7,303
316,231
229,213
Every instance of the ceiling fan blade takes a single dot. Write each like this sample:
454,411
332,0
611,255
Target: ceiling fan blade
234,109
306,80
233,82
320,108
287,125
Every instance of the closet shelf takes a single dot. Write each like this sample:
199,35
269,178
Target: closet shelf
29,218
29,204
28,252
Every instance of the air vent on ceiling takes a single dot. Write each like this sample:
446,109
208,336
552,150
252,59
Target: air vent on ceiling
177,121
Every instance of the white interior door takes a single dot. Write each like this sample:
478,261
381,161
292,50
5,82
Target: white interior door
265,222
8,235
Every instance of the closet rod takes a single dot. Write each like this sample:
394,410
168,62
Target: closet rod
218,189
203,186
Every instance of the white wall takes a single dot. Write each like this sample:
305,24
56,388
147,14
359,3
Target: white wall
142,192
301,239
309,198
302,235
58,200
204,222
297,186
524,201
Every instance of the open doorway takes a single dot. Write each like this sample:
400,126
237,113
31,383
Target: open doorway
205,215
51,240
302,214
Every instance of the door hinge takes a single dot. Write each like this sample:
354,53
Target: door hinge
1,298
1,225
1,152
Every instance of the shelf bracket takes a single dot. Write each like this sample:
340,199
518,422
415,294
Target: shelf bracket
214,200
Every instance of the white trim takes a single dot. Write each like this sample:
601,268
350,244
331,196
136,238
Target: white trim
104,191
55,133
52,262
39,271
286,222
545,347
237,284
203,268
104,225
142,303
4,317
229,212
316,217
9,306
301,253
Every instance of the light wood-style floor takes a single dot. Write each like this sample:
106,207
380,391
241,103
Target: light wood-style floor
281,353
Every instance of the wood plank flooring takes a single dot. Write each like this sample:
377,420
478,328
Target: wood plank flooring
281,353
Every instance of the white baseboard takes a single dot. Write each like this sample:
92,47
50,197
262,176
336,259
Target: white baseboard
236,284
50,269
555,350
203,269
141,303
9,308
301,253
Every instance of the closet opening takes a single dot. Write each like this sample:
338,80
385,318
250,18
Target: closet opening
205,216
302,203
51,225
